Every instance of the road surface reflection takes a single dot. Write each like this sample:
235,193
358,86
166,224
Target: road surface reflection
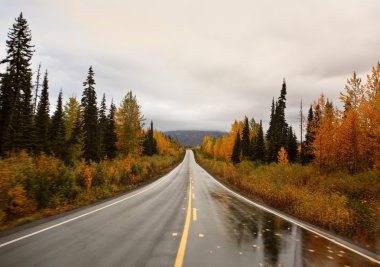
273,241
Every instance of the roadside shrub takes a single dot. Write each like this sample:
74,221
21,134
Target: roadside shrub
45,185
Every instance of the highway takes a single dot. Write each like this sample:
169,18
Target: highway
185,218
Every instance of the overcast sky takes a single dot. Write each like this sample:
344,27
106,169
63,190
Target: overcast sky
200,64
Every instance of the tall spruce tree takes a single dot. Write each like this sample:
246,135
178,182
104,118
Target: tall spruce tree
42,120
90,118
150,144
260,144
278,128
253,144
16,110
245,142
291,144
236,151
57,131
308,154
102,127
110,136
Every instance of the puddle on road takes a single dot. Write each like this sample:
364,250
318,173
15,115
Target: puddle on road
273,241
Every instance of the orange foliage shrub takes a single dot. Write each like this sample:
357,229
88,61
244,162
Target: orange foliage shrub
282,157
87,178
18,203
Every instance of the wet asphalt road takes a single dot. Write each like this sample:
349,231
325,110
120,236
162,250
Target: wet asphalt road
146,228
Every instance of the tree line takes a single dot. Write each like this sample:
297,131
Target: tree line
335,138
78,128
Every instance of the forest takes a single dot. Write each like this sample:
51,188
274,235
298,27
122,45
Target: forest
53,161
330,178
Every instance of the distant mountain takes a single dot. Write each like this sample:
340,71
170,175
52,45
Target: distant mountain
192,138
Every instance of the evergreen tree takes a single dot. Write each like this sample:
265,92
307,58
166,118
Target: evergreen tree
245,143
260,145
291,145
271,121
42,120
278,128
102,127
150,144
253,146
280,111
236,151
90,118
16,110
110,136
57,131
271,135
308,154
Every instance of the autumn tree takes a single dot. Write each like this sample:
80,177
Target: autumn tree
349,132
208,145
57,131
42,120
129,123
71,111
282,157
325,141
370,120
73,130
90,118
16,110
236,152
75,143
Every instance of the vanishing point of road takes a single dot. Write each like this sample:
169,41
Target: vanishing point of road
185,218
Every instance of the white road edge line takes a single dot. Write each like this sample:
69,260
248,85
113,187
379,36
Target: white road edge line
289,219
93,211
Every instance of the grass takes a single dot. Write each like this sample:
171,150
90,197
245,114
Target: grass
336,201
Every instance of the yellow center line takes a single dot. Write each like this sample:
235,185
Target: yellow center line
182,244
194,214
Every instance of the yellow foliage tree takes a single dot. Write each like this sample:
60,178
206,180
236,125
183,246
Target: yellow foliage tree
282,157
370,121
129,124
324,128
164,146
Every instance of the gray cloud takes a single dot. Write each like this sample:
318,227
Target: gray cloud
202,64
